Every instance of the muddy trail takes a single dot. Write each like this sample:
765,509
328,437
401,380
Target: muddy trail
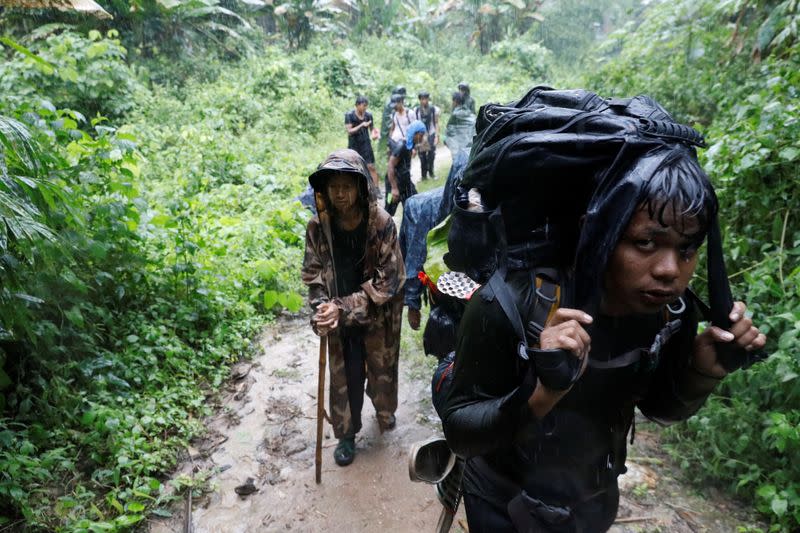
266,431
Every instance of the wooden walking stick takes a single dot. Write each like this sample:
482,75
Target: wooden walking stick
323,356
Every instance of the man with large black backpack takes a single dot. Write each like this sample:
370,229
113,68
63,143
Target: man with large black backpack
582,218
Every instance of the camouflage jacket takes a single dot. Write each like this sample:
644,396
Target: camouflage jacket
384,272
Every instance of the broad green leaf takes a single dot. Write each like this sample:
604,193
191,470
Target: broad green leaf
88,418
748,161
97,49
779,506
69,74
161,220
128,520
48,105
768,29
789,154
519,4
75,316
270,299
135,507
766,491
132,167
27,448
293,302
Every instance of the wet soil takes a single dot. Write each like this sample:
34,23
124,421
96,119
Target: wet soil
269,422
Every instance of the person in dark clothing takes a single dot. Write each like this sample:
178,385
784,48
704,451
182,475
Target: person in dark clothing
398,173
361,131
386,116
542,459
428,114
469,101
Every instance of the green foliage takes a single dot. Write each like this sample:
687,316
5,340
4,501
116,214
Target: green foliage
690,56
138,263
73,71
300,20
25,194
532,58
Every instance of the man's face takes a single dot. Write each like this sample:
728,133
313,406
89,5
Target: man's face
343,191
423,101
651,265
362,107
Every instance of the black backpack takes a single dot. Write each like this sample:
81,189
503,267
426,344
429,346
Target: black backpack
543,163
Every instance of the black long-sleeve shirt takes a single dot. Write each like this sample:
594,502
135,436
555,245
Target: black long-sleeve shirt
578,449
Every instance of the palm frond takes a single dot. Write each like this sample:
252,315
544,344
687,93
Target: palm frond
25,193
17,147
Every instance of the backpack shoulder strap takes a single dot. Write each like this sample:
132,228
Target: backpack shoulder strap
501,292
548,300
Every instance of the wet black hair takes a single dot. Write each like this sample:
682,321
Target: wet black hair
397,98
361,99
424,94
679,190
458,98
463,86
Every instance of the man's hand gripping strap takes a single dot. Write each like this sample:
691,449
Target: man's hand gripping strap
556,369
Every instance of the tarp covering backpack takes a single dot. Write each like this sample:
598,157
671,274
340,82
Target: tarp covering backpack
558,173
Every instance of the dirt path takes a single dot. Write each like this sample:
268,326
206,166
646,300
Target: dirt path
266,432
269,427
441,165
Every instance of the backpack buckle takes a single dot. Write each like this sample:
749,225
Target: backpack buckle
522,351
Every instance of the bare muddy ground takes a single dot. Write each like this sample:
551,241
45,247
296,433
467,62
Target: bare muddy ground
266,432
268,427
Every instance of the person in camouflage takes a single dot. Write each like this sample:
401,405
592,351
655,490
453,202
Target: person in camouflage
354,272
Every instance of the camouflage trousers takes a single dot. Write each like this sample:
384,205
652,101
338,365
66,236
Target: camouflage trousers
382,352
